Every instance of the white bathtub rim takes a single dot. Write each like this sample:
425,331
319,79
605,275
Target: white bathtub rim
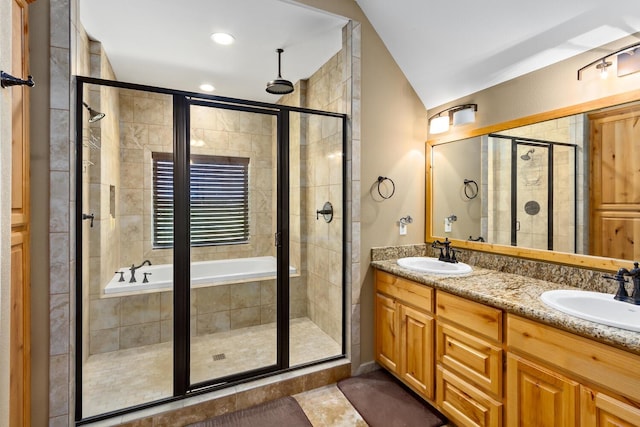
115,288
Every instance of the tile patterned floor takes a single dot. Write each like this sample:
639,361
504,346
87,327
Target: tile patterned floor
327,406
130,377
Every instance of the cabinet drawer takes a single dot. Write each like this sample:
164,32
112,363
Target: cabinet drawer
484,320
473,358
464,404
601,364
412,293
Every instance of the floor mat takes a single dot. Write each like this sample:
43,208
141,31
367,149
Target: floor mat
383,402
277,413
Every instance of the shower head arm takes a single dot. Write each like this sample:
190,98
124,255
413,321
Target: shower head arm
279,62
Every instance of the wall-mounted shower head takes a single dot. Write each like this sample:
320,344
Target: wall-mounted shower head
526,156
94,115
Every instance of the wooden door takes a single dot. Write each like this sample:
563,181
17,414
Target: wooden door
20,348
615,192
387,340
539,397
600,410
416,350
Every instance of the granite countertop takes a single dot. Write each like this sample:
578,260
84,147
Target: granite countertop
518,295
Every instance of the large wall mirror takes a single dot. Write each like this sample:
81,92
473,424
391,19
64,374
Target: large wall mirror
562,186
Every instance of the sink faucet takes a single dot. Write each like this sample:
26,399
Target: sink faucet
447,253
621,294
134,268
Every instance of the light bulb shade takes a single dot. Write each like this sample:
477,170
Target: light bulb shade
439,124
464,116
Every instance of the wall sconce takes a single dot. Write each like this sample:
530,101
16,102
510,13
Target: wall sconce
458,115
602,64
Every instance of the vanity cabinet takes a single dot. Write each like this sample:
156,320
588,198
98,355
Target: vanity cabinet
404,331
558,378
493,369
469,377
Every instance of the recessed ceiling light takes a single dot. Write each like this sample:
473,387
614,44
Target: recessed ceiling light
222,38
207,87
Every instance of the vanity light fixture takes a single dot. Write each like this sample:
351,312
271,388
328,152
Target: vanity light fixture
602,64
603,68
458,115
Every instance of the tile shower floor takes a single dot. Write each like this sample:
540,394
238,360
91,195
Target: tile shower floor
130,377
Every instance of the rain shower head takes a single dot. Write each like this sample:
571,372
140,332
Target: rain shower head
279,86
94,115
526,156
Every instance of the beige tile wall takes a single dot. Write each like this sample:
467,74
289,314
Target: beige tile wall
326,90
119,323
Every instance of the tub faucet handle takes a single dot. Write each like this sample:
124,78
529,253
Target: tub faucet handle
121,273
145,280
133,274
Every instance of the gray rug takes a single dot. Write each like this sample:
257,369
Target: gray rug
384,402
277,413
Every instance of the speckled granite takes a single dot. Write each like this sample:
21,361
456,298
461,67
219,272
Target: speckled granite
589,280
395,252
517,294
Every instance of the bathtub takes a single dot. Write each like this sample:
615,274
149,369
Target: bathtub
203,273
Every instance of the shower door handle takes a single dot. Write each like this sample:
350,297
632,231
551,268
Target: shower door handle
277,239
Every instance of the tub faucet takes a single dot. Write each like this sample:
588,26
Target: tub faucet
134,268
447,253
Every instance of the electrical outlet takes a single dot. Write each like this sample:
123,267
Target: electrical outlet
403,229
447,225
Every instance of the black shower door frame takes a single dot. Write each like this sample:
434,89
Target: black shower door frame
182,387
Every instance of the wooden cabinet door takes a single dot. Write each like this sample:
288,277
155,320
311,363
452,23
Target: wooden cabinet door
615,195
20,377
387,338
416,350
539,397
600,410
20,336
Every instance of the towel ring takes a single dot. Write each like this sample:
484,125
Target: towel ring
382,179
470,186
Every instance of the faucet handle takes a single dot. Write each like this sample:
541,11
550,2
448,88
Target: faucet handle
621,294
121,273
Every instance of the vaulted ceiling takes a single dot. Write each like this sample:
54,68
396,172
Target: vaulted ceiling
446,49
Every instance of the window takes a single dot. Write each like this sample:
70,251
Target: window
219,200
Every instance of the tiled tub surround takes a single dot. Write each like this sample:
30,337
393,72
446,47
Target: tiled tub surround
515,285
129,321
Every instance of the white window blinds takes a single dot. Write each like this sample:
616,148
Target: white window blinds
219,200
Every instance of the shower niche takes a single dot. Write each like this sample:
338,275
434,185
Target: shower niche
206,265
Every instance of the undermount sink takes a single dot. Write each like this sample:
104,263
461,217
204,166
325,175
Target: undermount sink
434,266
596,307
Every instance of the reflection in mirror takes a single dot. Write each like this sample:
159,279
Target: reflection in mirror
528,187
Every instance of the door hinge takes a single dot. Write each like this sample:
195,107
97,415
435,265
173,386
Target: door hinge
277,239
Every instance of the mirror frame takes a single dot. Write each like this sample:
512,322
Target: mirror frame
563,258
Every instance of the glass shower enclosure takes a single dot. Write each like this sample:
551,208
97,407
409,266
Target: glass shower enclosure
202,259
